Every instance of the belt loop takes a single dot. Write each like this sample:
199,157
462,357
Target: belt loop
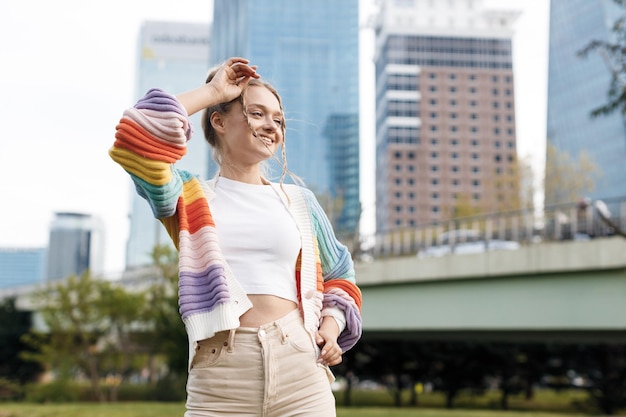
231,340
283,335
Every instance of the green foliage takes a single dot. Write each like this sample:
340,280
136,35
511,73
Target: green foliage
89,329
567,179
60,391
9,390
14,325
169,329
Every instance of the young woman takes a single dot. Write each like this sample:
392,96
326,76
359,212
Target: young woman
266,292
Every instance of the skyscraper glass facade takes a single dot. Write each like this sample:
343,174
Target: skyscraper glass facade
309,52
174,57
22,266
76,245
578,85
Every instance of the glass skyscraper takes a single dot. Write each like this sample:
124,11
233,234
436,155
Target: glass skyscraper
309,52
22,266
76,245
578,85
174,57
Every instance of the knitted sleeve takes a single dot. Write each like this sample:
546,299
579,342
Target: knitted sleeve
149,138
340,289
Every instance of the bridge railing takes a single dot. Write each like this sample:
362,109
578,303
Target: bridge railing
572,221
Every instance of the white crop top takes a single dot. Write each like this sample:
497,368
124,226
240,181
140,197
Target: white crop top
258,237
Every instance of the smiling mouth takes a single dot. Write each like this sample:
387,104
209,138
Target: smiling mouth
266,141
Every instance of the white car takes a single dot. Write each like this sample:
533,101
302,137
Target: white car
465,241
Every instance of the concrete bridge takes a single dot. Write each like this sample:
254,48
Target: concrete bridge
554,291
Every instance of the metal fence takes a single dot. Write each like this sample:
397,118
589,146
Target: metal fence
581,220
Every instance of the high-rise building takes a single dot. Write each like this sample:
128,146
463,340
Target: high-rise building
22,266
310,52
578,85
174,57
445,112
76,245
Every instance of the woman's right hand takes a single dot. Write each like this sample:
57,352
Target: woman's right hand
227,84
233,76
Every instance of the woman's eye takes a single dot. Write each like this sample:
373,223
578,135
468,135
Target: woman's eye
257,114
278,122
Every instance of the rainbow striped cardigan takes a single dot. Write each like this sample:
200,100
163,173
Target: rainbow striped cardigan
149,139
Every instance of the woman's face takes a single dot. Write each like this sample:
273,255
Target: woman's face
252,140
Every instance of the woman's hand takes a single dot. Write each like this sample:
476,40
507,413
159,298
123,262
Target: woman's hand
227,84
326,339
233,76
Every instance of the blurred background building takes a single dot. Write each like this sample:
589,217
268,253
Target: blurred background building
310,52
576,86
174,57
22,266
445,112
76,245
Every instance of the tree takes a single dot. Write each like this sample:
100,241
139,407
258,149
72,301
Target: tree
15,324
169,329
88,326
567,179
614,54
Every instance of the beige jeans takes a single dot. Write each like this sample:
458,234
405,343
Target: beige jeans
270,371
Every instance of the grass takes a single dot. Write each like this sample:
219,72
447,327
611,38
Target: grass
154,409
367,403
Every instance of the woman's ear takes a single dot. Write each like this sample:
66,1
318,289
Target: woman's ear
217,121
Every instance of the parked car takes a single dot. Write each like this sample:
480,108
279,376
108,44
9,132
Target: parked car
463,241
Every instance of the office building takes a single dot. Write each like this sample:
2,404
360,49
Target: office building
445,111
577,85
22,266
174,57
76,245
309,52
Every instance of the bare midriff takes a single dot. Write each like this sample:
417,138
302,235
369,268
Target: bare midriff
266,308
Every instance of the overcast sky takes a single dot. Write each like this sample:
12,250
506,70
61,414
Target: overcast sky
67,73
